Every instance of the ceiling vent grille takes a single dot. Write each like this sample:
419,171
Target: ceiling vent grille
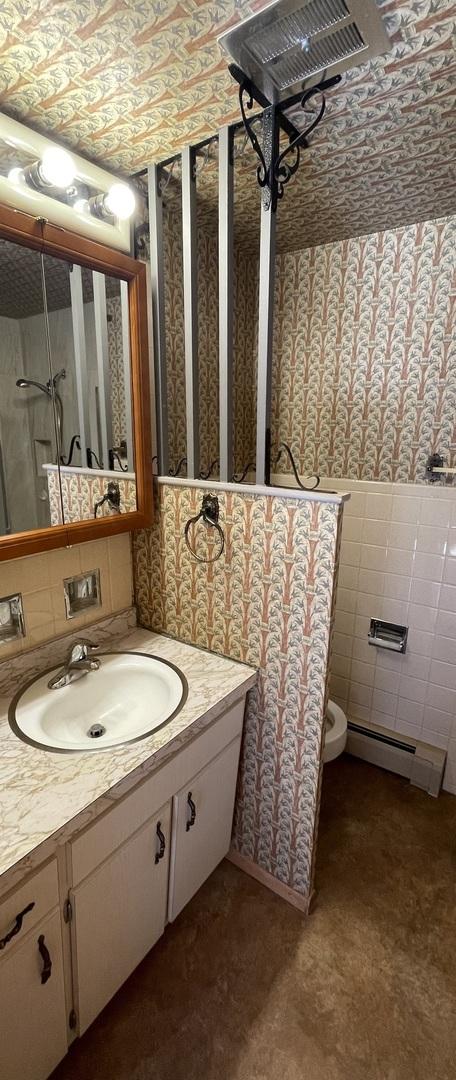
294,44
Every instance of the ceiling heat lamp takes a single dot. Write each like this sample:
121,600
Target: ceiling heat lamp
285,56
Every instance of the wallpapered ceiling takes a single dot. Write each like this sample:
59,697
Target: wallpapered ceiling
267,602
127,83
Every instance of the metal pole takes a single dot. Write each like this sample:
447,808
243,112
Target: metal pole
266,306
190,262
226,286
80,358
157,278
125,314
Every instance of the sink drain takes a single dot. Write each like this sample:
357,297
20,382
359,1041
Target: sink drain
96,731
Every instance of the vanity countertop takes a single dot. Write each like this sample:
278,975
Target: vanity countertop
44,796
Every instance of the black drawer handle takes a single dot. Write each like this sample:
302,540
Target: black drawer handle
191,820
17,926
47,962
161,836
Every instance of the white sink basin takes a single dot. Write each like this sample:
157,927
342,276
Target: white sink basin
129,697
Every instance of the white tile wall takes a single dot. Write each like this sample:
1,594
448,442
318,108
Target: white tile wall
398,562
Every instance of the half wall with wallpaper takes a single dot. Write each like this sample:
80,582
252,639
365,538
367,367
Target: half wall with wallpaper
268,602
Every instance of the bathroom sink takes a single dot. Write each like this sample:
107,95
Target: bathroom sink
129,697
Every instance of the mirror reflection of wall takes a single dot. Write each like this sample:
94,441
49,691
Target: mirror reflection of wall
89,339
64,342
27,430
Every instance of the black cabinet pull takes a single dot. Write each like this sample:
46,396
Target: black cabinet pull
17,926
161,836
191,820
47,962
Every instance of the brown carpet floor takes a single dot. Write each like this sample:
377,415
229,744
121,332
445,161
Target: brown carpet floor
242,987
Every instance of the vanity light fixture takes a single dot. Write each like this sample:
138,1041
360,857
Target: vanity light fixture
48,181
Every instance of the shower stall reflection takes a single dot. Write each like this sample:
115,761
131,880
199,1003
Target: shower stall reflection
51,391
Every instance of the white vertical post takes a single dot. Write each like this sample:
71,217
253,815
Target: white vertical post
104,376
80,357
157,280
266,307
190,263
226,285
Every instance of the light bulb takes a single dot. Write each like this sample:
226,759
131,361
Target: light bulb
16,175
57,167
81,206
120,201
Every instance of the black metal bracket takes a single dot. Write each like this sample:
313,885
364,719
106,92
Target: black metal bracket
275,171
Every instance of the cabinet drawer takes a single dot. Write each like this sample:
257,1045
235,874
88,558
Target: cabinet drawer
202,824
113,828
33,1013
41,890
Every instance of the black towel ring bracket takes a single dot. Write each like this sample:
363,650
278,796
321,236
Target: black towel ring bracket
209,514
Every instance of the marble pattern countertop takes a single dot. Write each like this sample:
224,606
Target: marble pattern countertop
46,797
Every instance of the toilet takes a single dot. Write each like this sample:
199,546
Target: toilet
336,732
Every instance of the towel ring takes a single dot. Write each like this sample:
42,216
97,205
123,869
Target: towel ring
209,513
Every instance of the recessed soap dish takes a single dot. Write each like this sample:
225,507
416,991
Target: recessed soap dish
82,592
11,618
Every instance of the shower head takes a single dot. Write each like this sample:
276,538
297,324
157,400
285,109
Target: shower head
23,384
46,388
292,45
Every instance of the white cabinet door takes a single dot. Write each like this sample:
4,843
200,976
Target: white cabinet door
202,824
119,912
33,1021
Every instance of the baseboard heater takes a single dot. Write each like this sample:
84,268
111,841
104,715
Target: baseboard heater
420,762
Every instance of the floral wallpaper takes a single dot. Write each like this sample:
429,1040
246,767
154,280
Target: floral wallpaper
268,602
364,382
116,370
245,306
81,490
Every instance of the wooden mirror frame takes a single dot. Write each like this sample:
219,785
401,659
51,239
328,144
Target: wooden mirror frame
51,240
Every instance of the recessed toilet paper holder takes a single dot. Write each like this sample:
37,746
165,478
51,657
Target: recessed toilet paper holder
386,635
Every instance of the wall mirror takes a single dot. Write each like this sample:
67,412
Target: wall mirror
75,456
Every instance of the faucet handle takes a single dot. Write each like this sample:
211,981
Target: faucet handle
80,650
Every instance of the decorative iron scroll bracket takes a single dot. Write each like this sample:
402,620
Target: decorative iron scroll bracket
273,173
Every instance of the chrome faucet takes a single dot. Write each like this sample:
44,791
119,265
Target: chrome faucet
78,663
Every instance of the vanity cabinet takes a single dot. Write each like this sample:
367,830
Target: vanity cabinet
202,817
32,991
118,913
120,880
